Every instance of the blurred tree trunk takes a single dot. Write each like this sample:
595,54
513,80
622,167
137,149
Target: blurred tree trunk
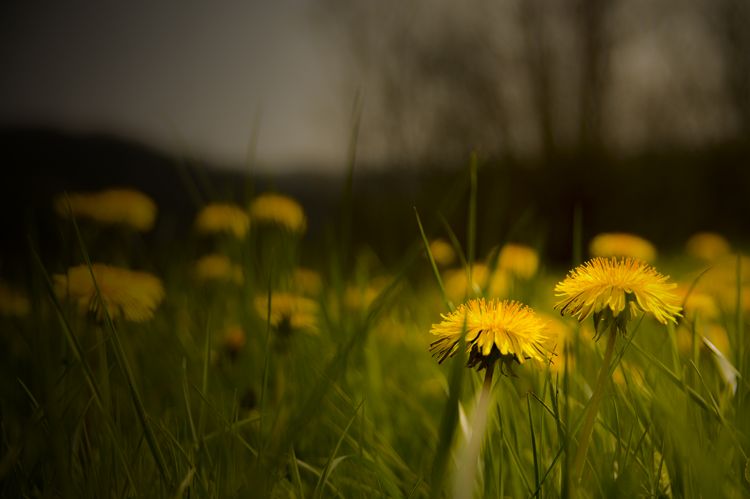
539,62
590,17
732,25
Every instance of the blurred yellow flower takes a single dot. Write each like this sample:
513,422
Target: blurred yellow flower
617,288
125,293
110,207
13,303
505,330
558,331
707,246
289,312
278,210
715,333
559,334
718,336
360,297
306,281
629,373
457,287
699,303
442,252
721,282
222,218
456,282
216,267
234,339
622,244
519,260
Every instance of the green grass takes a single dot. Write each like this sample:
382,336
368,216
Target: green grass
358,408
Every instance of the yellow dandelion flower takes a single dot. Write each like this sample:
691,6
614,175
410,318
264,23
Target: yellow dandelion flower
279,210
306,281
289,312
519,260
13,303
110,207
222,218
617,288
216,267
707,246
442,252
622,244
494,329
125,293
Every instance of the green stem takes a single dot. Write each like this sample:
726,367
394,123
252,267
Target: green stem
593,409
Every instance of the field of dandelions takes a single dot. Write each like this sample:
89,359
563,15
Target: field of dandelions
256,364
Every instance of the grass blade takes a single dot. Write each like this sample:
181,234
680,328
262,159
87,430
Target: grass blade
122,360
333,461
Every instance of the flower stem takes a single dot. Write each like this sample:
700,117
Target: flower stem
465,479
593,409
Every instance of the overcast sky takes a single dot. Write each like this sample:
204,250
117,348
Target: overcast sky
189,76
193,77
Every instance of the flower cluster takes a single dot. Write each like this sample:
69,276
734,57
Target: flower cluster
275,209
222,218
110,207
125,293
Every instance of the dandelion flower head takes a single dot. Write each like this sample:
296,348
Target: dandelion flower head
110,207
276,209
519,260
222,218
125,293
707,246
289,312
494,329
617,287
217,267
621,244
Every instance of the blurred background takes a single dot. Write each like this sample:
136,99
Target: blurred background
634,115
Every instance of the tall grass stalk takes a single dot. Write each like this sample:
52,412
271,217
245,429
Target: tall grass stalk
593,407
466,475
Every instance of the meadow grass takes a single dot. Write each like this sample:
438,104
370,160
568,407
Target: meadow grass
354,405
